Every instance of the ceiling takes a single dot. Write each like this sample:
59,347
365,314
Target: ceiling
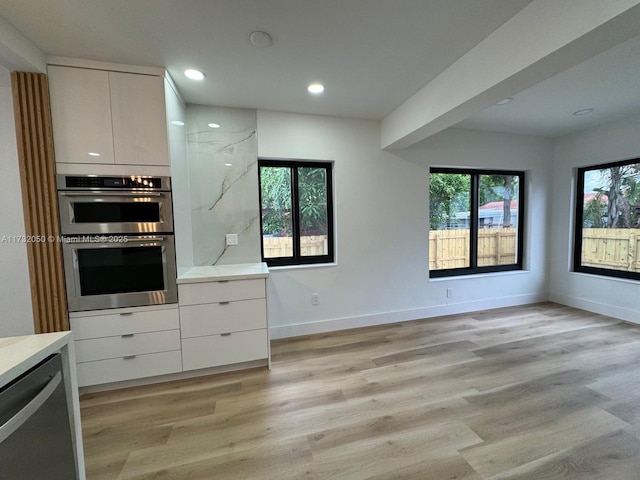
607,83
372,55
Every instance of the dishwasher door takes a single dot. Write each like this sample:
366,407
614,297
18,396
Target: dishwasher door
35,432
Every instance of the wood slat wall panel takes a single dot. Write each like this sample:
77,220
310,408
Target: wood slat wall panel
37,176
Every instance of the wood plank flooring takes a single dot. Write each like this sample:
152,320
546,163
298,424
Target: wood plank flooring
535,392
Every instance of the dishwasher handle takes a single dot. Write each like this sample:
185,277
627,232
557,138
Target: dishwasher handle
30,408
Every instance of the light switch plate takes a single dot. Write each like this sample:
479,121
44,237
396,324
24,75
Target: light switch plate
232,238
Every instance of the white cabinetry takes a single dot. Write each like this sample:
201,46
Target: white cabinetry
106,117
81,115
127,343
223,322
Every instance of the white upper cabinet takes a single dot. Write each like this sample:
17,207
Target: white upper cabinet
139,119
81,115
104,117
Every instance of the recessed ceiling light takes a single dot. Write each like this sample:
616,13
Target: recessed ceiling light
315,88
194,74
213,125
505,101
584,111
260,39
177,123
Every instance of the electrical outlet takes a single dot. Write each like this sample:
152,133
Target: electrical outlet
315,299
232,238
449,292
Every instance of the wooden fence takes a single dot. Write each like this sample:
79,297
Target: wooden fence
283,246
613,248
450,248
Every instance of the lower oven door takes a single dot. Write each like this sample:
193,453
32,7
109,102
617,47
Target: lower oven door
119,271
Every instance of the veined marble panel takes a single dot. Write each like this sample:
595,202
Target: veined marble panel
223,171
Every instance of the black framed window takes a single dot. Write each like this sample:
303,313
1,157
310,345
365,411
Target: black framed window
607,228
297,212
476,220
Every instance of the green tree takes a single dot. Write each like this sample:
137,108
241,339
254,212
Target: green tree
620,186
275,190
448,194
276,193
494,188
593,212
312,190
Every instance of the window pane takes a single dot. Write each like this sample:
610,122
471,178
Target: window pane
497,219
610,218
449,205
277,228
312,192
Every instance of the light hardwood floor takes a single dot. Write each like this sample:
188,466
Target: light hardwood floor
534,392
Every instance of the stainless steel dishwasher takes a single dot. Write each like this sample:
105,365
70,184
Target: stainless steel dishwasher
35,431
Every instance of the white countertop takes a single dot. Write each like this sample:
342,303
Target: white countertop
216,273
19,354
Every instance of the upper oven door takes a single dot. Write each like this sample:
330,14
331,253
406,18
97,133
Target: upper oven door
100,212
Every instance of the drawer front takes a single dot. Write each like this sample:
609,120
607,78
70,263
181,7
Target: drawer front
94,349
114,324
214,292
215,350
118,369
215,318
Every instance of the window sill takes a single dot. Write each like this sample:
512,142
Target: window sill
605,277
479,275
300,267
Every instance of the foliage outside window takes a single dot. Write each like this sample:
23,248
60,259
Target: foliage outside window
297,212
475,221
607,230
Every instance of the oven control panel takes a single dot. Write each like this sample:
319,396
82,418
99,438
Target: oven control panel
94,182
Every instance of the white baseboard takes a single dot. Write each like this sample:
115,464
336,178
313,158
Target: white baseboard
332,325
615,311
138,382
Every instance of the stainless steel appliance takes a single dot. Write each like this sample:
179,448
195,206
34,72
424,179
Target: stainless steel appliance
102,204
35,431
118,242
119,271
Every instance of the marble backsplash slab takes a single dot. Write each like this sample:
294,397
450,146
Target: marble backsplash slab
223,175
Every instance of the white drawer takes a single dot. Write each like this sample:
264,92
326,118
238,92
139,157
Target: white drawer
214,350
118,369
214,318
213,292
133,344
114,324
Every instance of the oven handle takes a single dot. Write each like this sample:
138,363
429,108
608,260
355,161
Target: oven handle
132,239
112,194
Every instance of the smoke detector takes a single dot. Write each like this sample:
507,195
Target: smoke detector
260,39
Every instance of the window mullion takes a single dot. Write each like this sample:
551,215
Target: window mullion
295,213
473,222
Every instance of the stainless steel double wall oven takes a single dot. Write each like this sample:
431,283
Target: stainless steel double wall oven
118,241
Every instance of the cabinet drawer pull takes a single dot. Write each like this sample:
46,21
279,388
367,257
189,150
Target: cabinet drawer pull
223,281
129,357
228,334
224,303
127,335
126,314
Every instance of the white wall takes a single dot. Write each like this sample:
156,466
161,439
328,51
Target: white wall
381,203
16,317
607,143
177,112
